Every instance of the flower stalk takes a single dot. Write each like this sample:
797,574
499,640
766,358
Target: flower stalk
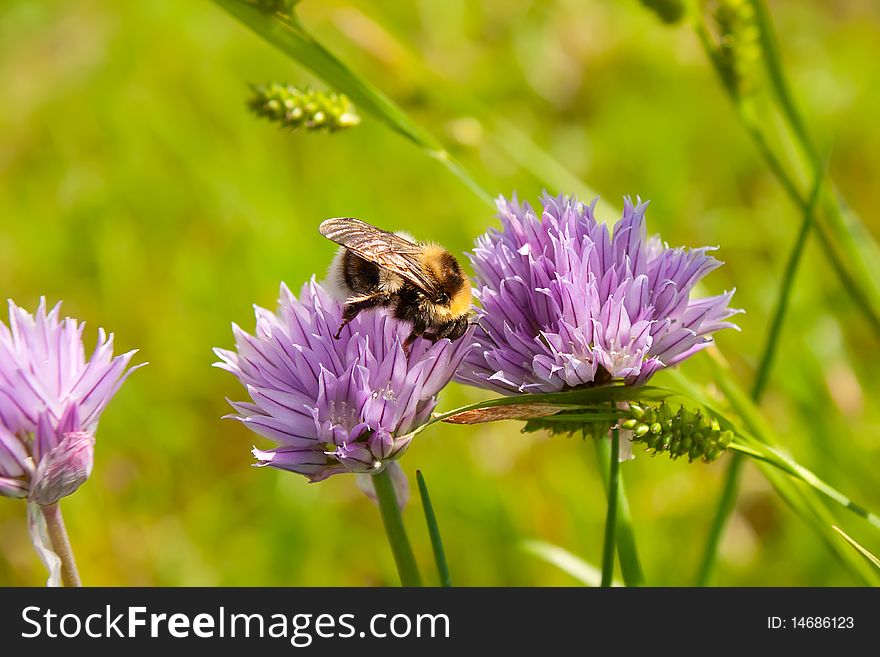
395,531
611,516
627,552
61,544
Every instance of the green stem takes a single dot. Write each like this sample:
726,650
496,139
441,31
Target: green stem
773,62
434,532
785,288
731,483
61,544
627,553
857,242
722,512
611,517
395,531
858,287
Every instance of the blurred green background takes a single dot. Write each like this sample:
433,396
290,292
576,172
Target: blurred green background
135,187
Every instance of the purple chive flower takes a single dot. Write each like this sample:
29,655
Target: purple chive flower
51,398
565,304
333,406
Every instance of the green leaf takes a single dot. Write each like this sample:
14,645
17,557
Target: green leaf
540,405
585,573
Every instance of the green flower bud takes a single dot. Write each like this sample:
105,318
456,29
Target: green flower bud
725,439
677,431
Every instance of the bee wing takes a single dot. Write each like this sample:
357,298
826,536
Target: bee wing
389,251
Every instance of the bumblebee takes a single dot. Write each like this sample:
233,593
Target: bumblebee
422,284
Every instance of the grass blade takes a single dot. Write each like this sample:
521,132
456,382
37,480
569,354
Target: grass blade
585,573
805,501
874,561
727,501
790,466
434,532
858,243
809,507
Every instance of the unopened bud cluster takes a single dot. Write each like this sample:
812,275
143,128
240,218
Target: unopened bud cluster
307,108
274,6
739,44
668,11
678,432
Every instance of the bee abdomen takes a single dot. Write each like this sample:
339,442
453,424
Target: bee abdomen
359,277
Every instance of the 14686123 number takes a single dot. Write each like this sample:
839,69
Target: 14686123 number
822,622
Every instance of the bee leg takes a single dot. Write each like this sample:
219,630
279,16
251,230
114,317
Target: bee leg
418,330
341,326
350,312
407,344
453,330
355,308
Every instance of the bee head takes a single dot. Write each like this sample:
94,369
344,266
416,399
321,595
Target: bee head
453,297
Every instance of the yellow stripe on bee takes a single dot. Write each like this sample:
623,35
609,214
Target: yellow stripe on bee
460,303
431,255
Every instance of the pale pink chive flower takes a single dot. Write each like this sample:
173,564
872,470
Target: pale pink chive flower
335,406
567,303
51,398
